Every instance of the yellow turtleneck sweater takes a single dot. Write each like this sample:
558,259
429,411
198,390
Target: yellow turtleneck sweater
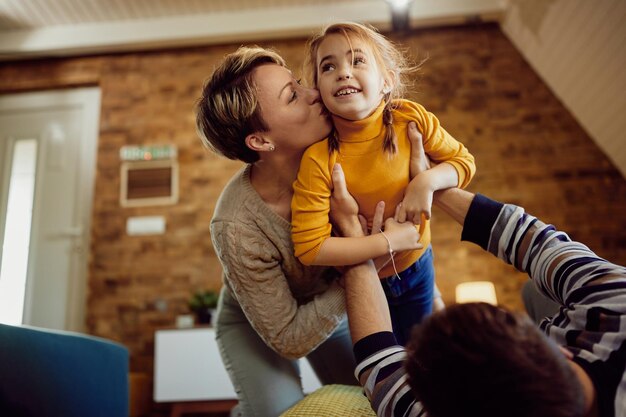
371,175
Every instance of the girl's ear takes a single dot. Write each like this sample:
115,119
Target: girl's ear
389,82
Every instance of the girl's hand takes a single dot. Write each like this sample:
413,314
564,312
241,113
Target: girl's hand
402,236
418,200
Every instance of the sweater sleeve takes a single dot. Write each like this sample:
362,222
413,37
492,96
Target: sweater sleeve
440,146
253,268
310,204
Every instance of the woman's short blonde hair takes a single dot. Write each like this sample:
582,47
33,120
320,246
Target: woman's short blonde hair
228,109
391,61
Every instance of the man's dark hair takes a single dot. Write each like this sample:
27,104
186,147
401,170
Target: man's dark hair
479,360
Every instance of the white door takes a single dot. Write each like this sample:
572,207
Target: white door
63,127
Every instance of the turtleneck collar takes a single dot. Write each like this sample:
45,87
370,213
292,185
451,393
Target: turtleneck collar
360,130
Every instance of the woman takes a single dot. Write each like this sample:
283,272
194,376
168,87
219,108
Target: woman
272,309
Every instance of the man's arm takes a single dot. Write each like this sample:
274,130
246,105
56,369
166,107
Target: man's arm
454,202
366,304
378,356
365,300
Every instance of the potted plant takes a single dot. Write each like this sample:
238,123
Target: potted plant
202,303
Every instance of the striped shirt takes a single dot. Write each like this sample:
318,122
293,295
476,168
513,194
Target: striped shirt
591,321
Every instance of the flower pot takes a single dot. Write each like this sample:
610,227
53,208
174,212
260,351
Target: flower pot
204,316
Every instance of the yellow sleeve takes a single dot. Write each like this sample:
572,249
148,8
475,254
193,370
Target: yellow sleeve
440,146
310,204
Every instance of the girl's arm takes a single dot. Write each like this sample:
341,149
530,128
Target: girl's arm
311,228
358,247
418,196
456,166
337,251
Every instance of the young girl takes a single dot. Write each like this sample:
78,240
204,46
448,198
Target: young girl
359,75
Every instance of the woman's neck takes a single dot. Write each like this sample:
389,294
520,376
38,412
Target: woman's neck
272,177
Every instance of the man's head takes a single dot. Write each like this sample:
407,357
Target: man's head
479,360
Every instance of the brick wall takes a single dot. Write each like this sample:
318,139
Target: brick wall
529,151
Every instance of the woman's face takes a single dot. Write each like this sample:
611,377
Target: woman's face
294,114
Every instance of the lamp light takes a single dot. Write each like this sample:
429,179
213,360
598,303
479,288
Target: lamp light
399,4
470,292
399,14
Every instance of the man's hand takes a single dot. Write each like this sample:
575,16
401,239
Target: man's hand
344,209
419,161
418,196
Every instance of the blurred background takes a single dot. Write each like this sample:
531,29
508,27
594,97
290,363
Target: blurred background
106,192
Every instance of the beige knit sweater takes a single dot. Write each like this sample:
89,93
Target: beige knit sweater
292,307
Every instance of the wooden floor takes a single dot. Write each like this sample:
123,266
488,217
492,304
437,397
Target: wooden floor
193,409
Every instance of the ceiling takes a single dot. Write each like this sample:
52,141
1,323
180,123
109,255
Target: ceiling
35,28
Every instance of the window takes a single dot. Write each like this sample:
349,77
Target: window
15,247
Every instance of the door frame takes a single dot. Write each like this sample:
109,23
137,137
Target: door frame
86,99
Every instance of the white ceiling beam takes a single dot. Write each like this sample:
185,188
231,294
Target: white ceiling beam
241,26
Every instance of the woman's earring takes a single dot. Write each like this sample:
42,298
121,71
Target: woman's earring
272,147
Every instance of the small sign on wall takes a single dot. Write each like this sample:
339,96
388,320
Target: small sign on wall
148,153
145,225
149,176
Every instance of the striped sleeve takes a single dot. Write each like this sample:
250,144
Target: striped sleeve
381,373
591,322
562,269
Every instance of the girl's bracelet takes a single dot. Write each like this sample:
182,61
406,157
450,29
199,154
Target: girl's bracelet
393,263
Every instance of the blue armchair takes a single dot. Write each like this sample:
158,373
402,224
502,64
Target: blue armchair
50,373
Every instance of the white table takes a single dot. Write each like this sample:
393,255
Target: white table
188,368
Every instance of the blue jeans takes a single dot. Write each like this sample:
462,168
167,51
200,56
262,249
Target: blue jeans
410,297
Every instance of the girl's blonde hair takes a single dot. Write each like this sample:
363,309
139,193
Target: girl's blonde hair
391,62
